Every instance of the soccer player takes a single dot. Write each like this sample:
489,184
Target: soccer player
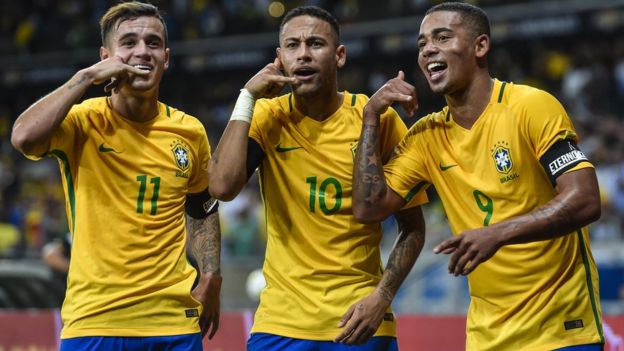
516,189
322,268
130,166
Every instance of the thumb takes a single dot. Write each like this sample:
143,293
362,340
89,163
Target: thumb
401,75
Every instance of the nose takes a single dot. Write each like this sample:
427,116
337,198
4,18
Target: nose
141,48
428,49
303,52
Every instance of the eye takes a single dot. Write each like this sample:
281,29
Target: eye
291,45
317,44
153,44
127,43
442,38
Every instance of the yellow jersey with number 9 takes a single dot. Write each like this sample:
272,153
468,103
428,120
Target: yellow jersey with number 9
126,185
536,296
319,259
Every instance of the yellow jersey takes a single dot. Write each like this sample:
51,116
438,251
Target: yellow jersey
319,260
535,296
126,184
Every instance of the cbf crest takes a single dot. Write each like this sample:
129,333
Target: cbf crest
502,157
181,157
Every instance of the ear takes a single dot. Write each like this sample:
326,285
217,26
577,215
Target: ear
104,54
341,56
482,45
166,58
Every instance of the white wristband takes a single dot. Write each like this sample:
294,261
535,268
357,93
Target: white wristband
243,109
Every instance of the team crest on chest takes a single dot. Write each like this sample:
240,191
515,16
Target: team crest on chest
181,157
501,154
502,157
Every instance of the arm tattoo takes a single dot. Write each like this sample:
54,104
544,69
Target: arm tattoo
408,246
82,79
205,242
371,186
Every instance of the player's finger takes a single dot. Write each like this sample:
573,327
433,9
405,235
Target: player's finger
345,318
278,63
135,70
401,75
108,87
463,261
215,326
278,78
473,264
363,337
455,258
447,244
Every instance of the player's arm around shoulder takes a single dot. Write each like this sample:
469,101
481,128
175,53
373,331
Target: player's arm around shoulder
33,129
236,153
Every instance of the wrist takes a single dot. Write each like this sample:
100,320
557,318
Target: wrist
243,109
369,116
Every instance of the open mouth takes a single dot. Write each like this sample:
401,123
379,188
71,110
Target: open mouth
436,69
304,73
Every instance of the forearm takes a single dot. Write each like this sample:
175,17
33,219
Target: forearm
228,165
576,205
369,184
34,127
404,254
205,243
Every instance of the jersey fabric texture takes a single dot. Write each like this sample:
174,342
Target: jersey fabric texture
535,296
319,260
126,184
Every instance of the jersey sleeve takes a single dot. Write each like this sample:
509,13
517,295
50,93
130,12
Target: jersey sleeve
395,147
259,122
66,136
406,173
199,179
548,124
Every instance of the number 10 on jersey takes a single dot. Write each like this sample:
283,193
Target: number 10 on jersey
322,189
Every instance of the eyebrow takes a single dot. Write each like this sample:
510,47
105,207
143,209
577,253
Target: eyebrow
149,36
436,31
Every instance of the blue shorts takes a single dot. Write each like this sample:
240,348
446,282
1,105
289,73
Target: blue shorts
270,342
186,342
586,347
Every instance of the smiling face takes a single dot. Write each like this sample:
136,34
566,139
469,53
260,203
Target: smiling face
140,42
310,52
448,51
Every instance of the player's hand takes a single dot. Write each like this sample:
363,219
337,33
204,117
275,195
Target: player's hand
395,90
269,81
469,249
362,319
208,292
115,70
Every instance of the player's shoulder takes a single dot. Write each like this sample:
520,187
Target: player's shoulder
178,116
282,103
430,122
519,95
96,104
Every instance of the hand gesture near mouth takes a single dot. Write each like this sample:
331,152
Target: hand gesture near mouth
269,81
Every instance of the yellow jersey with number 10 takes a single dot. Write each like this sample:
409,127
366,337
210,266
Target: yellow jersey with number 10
319,259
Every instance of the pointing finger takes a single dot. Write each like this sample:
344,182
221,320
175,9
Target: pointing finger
401,75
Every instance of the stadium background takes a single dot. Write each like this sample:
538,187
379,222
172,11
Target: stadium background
574,49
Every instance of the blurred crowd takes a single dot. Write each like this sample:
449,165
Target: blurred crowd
584,69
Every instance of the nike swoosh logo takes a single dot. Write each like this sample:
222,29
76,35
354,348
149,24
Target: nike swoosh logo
278,148
103,148
444,168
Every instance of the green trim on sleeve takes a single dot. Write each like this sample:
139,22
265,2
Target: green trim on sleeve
290,103
168,110
414,191
62,157
353,99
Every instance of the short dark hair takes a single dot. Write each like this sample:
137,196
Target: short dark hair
474,16
312,11
125,11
